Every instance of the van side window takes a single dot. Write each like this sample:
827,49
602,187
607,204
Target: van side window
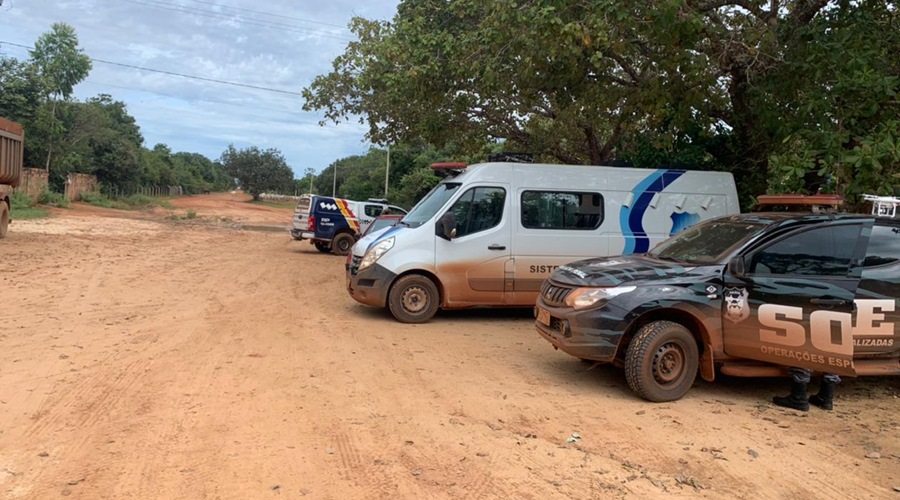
884,246
561,210
825,251
373,210
478,209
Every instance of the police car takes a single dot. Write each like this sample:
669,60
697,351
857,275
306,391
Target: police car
749,294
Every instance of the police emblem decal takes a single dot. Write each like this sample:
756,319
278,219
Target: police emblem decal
737,308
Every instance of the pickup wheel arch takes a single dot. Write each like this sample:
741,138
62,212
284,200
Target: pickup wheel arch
661,362
341,243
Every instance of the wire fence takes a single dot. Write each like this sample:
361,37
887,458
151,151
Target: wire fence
116,192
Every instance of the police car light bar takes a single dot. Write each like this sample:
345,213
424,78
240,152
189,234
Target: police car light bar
448,169
883,206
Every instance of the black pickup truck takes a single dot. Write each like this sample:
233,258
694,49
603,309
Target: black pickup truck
749,294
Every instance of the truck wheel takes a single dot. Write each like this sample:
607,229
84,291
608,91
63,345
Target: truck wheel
322,247
341,244
4,219
413,299
661,362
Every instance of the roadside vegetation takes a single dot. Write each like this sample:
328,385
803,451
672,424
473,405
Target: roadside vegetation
132,202
22,208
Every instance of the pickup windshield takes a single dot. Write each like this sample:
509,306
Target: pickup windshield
430,204
707,243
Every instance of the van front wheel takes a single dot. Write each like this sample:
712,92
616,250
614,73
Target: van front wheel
661,362
413,299
341,244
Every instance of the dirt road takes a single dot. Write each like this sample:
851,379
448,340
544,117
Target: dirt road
147,358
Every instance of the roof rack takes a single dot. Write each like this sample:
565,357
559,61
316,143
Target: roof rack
816,203
883,206
508,156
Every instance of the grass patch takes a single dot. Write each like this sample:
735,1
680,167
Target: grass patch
27,213
132,202
285,206
101,200
190,214
22,208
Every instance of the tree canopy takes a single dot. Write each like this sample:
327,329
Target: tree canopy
744,86
258,171
97,136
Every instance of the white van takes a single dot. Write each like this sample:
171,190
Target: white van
489,234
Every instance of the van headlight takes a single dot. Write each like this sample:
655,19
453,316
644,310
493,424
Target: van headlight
583,298
376,252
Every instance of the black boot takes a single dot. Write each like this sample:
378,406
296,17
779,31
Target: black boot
796,400
825,398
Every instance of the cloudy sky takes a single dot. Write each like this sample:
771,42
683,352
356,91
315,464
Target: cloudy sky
277,44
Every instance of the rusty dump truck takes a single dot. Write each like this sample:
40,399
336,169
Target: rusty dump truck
12,139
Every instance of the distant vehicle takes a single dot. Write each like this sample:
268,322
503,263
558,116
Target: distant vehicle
381,222
489,234
12,138
750,294
334,224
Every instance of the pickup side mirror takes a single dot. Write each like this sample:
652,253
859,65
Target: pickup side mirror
737,267
446,226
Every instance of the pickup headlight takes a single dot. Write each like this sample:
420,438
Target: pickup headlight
376,252
583,298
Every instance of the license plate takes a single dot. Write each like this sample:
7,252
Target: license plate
543,316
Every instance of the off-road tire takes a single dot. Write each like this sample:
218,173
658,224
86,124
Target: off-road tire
4,219
342,243
661,361
413,299
322,247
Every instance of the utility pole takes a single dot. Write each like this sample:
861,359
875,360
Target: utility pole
334,184
387,172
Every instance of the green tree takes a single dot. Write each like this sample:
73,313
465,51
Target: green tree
841,127
62,65
258,171
587,82
21,90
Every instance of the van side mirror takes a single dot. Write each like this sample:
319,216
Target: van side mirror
737,267
446,226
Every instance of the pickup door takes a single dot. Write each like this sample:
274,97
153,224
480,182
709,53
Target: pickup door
794,304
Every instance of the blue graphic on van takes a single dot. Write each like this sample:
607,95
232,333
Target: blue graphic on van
682,221
631,219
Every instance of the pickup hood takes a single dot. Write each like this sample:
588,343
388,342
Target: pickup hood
629,269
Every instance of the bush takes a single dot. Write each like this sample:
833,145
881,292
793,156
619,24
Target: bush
23,208
53,199
139,201
100,200
20,200
190,214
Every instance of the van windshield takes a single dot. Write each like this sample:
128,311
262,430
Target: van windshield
430,204
706,243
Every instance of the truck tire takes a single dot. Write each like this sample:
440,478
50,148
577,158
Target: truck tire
341,244
322,247
413,299
4,219
661,361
